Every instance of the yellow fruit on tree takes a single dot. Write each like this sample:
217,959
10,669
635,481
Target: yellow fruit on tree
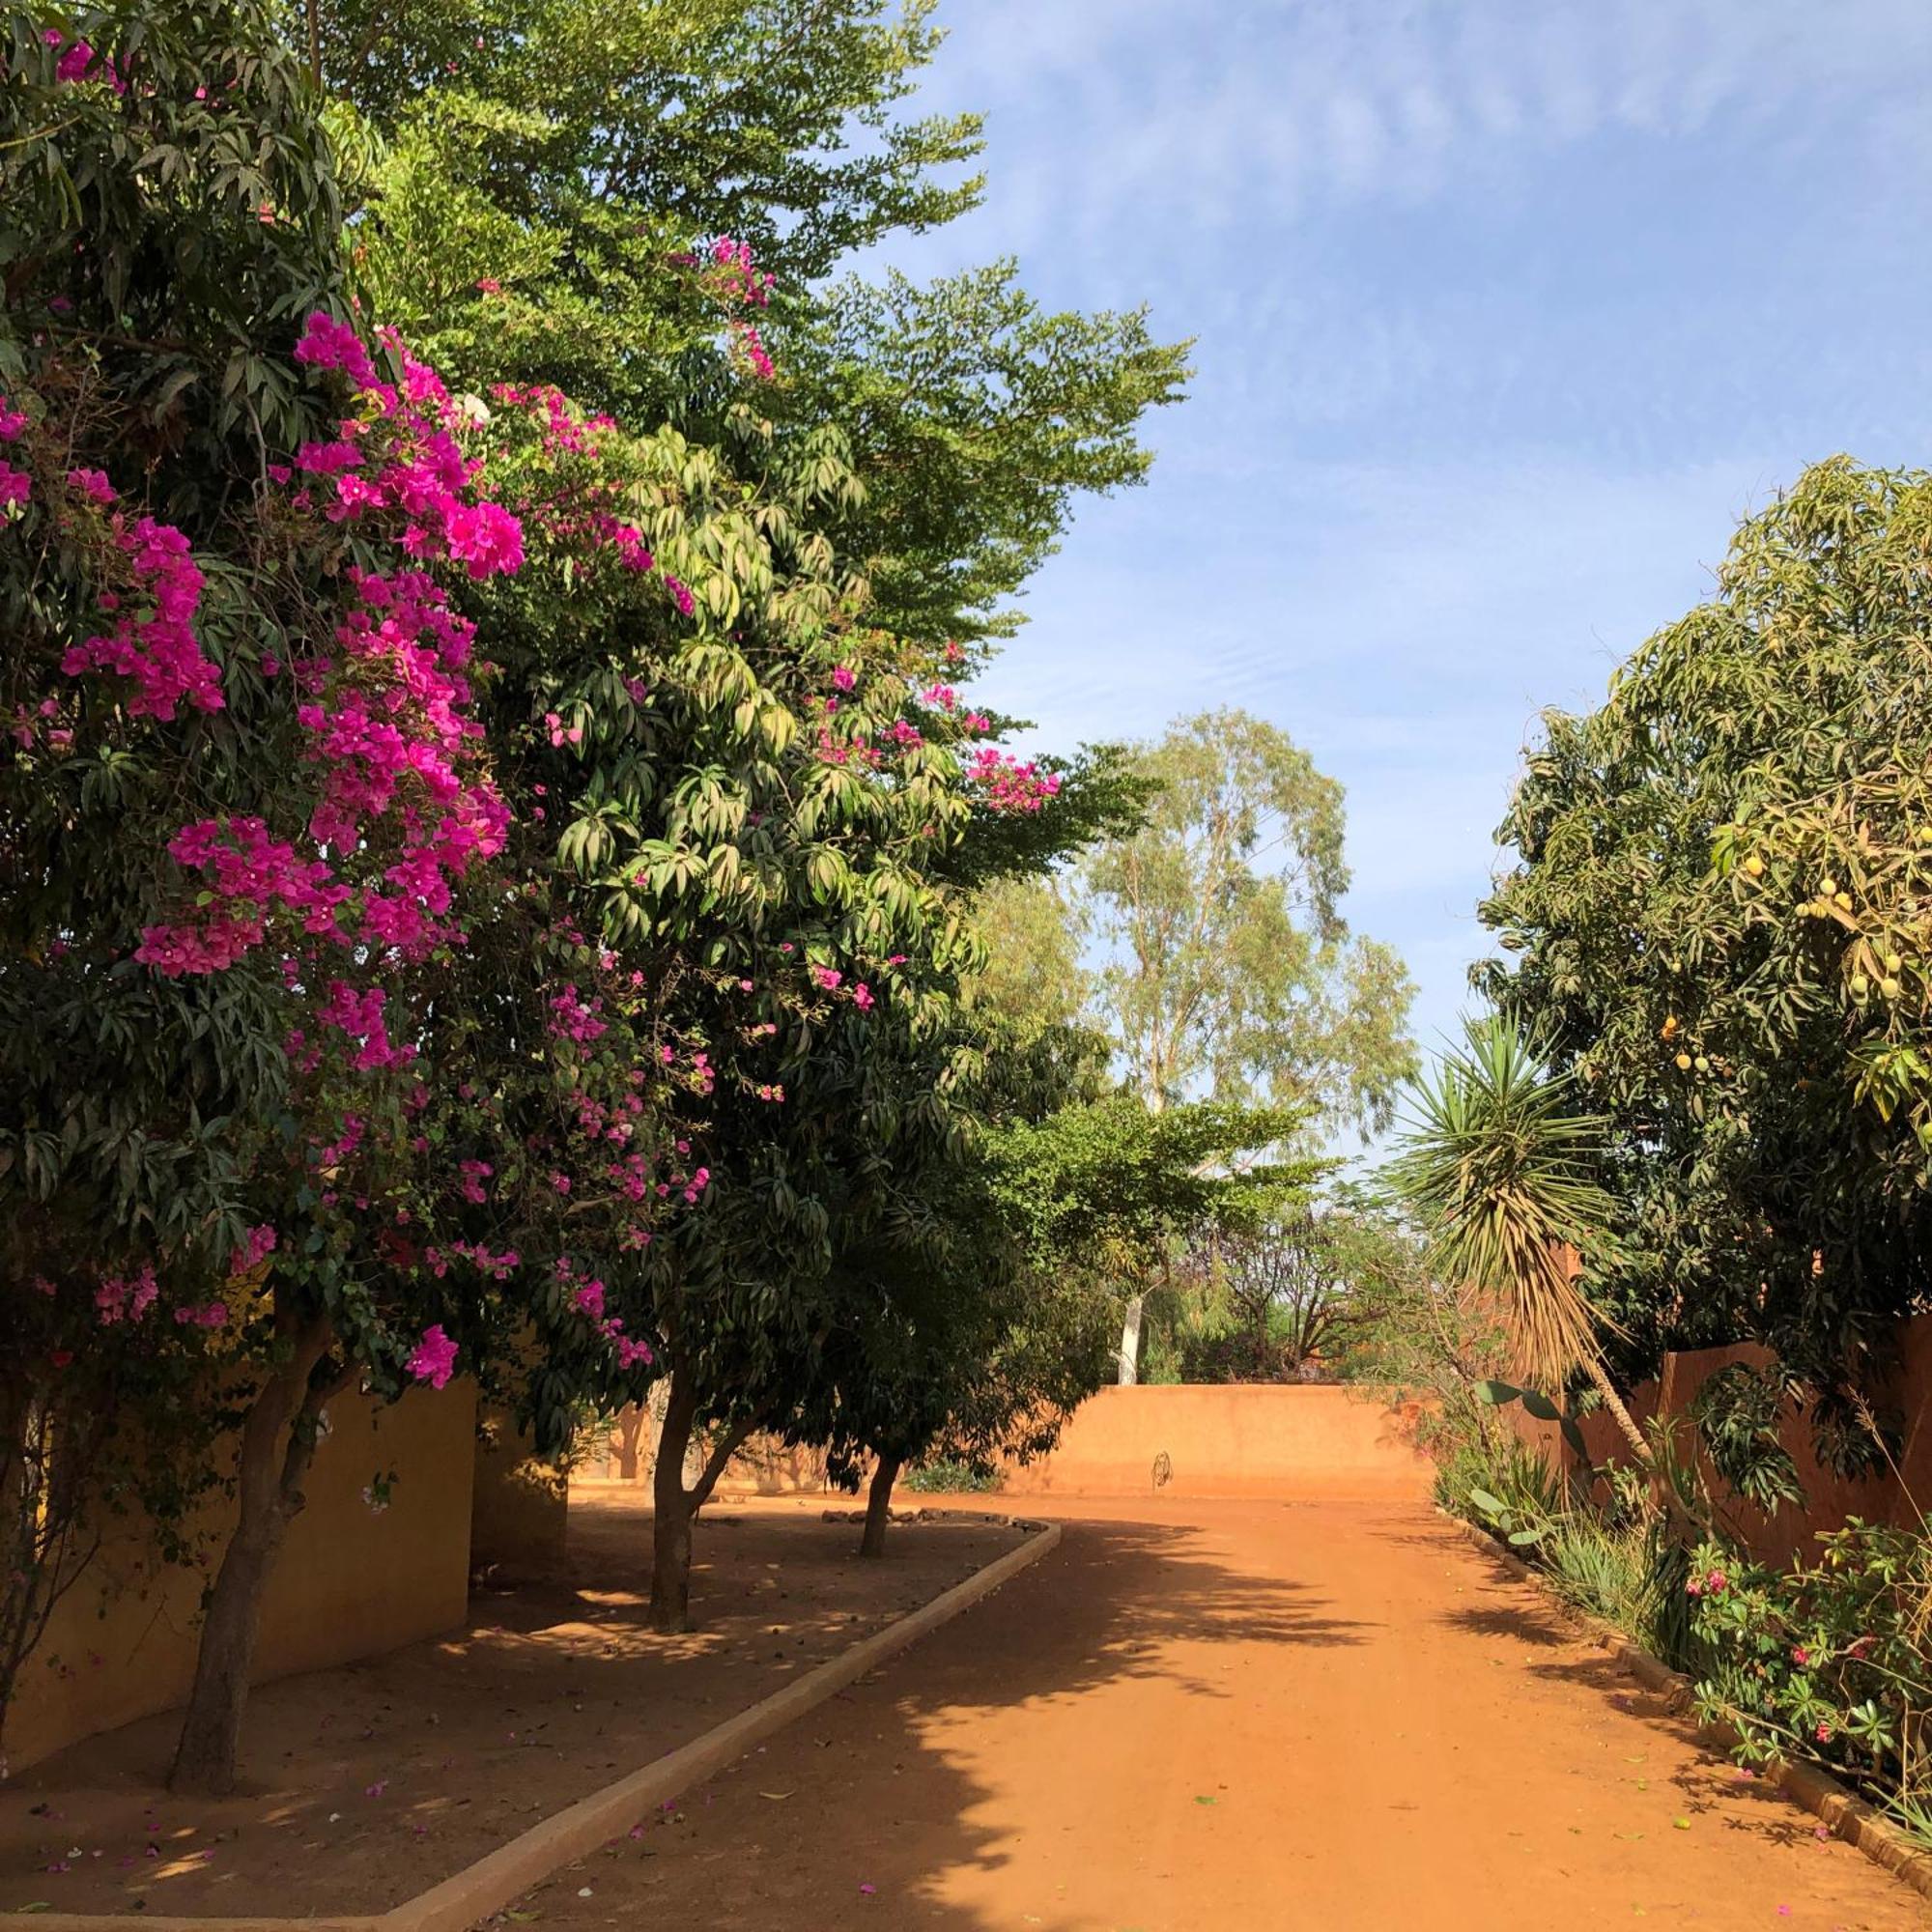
1754,866
1890,987
1684,1062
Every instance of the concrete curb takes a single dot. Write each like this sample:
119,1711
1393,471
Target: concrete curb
1818,1792
474,1893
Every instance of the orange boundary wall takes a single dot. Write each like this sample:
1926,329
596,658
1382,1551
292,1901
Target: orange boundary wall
1830,1499
1216,1440
1219,1439
1232,1439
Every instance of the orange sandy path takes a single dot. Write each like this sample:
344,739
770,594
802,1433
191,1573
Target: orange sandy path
1330,1715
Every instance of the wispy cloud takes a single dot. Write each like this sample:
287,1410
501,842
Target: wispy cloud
1340,101
1507,310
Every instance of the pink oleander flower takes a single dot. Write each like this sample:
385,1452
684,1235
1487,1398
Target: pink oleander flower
862,997
16,486
827,977
845,678
435,1358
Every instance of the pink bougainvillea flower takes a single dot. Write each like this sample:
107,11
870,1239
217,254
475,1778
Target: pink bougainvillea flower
91,484
435,1358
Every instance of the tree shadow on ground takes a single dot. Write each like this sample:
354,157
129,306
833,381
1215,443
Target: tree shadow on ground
863,1793
1526,1626
366,1782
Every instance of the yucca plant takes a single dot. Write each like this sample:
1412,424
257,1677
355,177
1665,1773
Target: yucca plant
1499,1164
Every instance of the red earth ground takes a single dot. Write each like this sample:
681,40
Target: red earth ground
1327,1715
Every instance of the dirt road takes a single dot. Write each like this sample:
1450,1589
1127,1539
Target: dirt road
1319,1715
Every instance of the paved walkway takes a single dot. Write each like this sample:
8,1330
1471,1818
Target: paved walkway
1317,1714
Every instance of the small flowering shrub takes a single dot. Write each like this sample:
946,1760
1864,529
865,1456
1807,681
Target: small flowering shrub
1830,1661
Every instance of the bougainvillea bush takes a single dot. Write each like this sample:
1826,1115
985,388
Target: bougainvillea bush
134,1104
248,815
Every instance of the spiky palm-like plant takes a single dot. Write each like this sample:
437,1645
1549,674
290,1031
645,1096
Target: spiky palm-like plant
1499,1164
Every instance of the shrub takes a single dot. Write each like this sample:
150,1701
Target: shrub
1830,1661
946,1477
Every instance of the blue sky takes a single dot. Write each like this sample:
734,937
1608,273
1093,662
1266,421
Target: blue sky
1505,314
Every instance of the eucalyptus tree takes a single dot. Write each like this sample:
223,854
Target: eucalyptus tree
1226,965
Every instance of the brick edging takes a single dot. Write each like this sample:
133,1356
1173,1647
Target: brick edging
469,1895
1815,1790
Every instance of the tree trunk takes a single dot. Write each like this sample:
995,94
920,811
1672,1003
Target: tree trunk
673,1506
878,1506
671,1513
624,1440
1625,1421
654,1414
270,1476
1130,1341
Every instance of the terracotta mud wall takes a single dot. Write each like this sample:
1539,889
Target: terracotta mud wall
1219,1440
1829,1499
763,1466
1231,1439
350,1583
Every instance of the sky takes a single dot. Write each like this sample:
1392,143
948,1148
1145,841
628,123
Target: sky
1505,314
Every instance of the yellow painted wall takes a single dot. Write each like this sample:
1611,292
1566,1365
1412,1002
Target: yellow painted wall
350,1583
522,1505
